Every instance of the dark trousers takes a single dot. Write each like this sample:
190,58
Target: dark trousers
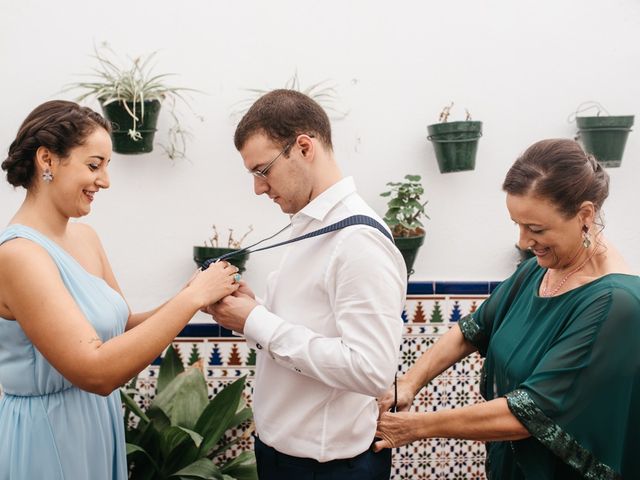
273,465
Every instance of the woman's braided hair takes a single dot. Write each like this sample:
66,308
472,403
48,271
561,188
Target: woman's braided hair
58,125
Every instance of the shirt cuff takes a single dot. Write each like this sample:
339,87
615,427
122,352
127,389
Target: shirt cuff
260,327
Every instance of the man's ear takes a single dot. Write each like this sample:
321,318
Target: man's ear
307,147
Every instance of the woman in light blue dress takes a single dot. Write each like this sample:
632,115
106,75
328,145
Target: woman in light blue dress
67,337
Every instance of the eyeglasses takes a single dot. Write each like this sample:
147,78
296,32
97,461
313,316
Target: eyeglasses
262,173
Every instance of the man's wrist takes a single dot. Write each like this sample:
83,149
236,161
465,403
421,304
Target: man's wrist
261,325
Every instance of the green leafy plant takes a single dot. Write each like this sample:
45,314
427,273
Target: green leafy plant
404,208
130,84
182,433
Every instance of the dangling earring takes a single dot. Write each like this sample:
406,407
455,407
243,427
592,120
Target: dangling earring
586,238
47,176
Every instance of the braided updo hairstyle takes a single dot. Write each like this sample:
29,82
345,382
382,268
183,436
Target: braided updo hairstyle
58,125
559,170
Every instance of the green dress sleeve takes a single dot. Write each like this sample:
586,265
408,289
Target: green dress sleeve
478,326
582,401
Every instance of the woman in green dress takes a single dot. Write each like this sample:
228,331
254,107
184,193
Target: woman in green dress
560,337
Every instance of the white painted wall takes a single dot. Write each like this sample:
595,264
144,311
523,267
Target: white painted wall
520,67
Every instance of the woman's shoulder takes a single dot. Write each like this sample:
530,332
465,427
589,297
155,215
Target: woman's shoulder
614,292
15,249
617,281
19,256
623,284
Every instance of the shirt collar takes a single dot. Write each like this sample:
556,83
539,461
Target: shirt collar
320,206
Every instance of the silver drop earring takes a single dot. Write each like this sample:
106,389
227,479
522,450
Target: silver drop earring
47,176
586,238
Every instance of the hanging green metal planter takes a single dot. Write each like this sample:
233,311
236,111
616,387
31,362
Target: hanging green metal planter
455,143
405,208
123,90
131,136
605,137
213,250
409,247
200,254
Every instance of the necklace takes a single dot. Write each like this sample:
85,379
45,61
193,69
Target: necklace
545,287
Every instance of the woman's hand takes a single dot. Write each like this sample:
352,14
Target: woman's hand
405,398
214,283
397,429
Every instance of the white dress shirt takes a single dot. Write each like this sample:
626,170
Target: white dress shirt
328,334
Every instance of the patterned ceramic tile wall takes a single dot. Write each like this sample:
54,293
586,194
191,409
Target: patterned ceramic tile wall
432,308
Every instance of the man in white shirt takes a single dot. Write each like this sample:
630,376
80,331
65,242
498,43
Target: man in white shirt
329,330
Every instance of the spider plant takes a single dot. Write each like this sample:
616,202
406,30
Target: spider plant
323,92
130,85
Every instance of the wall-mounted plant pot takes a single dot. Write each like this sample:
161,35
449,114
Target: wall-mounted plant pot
605,137
455,144
200,254
409,247
122,122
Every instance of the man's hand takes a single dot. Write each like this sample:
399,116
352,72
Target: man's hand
232,311
244,289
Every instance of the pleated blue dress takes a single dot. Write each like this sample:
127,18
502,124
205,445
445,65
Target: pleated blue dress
50,429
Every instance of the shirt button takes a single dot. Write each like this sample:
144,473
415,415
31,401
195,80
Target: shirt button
298,370
258,346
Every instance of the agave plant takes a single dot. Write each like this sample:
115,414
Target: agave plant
182,433
131,85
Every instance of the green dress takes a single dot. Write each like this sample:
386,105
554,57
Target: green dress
569,367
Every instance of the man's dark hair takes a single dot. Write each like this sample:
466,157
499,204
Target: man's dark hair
282,115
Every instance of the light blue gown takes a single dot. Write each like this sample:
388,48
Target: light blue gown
50,429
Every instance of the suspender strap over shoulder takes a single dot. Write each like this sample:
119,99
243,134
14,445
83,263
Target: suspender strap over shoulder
346,222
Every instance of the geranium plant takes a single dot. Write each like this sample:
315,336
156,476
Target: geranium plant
405,208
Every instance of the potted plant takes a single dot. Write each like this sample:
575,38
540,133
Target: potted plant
404,210
324,93
604,137
213,250
130,96
455,143
182,433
